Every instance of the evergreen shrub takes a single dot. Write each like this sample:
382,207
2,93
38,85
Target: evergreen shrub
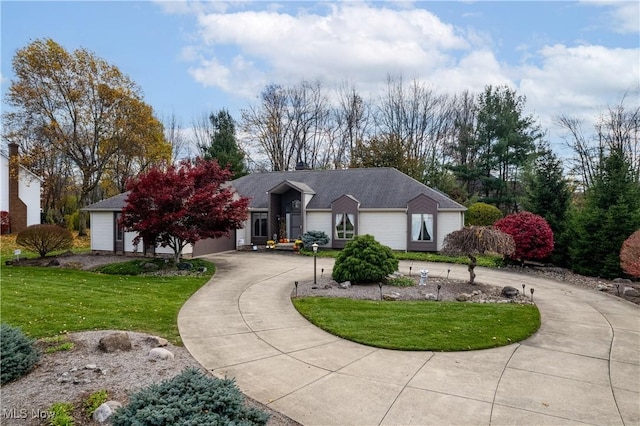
311,237
364,259
18,354
482,214
190,398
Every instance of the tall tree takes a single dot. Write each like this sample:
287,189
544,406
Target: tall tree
223,145
611,213
507,141
79,105
183,204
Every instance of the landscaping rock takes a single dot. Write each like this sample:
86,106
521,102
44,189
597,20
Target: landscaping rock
115,342
463,297
630,292
510,292
393,296
602,287
160,354
54,262
104,411
430,296
345,285
156,342
622,281
185,266
149,266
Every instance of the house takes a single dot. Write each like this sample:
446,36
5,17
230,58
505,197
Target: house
20,193
397,210
107,236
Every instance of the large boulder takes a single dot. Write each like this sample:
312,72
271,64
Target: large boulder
113,342
104,411
510,292
630,292
160,354
391,296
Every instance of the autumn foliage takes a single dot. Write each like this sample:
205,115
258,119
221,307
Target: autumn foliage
531,233
179,205
45,238
630,255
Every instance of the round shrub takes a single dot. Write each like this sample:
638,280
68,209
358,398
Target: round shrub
45,238
364,260
630,255
531,233
311,237
18,355
190,398
482,214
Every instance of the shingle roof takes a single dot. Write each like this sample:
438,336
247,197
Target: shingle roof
374,187
114,203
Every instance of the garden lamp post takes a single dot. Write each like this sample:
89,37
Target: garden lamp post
315,253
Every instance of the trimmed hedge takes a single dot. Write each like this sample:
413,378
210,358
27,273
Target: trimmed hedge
364,259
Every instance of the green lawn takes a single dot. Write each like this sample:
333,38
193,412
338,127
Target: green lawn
422,325
46,301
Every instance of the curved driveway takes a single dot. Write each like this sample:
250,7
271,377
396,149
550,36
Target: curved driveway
581,367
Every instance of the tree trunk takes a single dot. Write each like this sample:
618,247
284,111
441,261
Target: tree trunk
472,264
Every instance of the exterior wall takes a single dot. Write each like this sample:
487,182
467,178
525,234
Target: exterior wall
4,181
319,221
102,231
244,233
29,191
388,228
447,223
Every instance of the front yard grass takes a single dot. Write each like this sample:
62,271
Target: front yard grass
422,325
46,302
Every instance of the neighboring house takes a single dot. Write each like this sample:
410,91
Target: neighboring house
20,193
107,236
397,210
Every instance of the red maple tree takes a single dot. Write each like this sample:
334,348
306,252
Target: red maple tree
178,205
531,233
630,255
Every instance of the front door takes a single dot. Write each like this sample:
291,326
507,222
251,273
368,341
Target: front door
118,234
295,225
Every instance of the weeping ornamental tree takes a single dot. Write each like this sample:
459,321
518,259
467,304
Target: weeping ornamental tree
474,240
180,205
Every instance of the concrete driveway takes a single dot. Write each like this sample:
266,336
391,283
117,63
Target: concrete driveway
581,367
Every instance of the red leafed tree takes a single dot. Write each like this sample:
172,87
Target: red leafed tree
531,233
630,255
178,205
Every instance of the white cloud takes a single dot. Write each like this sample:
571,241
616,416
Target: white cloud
352,40
623,16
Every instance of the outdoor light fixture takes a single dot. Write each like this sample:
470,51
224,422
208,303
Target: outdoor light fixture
296,284
531,290
380,285
448,270
438,293
409,270
618,288
523,288
321,272
315,252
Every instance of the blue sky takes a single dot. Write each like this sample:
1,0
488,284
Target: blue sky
193,58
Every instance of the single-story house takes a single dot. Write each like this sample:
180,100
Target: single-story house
20,192
397,210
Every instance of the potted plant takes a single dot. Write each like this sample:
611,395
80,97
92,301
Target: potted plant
297,245
271,244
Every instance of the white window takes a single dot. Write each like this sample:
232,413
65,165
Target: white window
421,227
345,228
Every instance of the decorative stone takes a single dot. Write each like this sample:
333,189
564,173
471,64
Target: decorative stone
396,274
510,292
345,284
160,354
430,296
149,266
118,341
54,262
602,287
104,411
622,281
156,341
630,292
90,366
393,296
463,297
476,292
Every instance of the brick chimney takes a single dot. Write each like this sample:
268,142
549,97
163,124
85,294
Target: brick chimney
17,208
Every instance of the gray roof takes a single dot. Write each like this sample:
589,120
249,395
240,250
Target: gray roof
383,187
115,203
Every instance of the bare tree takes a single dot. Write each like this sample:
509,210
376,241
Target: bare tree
174,133
473,240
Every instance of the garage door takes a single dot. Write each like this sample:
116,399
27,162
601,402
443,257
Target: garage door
215,245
